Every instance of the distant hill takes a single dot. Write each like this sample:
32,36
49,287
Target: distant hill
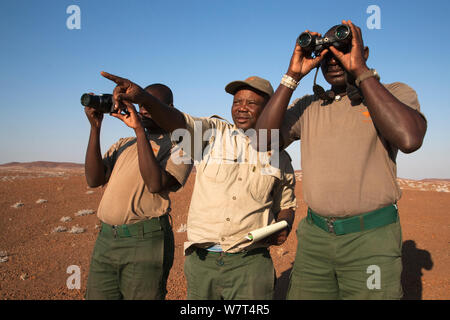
43,165
434,180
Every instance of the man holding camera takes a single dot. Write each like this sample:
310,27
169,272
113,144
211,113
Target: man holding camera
349,245
235,192
134,251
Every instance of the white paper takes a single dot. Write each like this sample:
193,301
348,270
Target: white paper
262,233
258,234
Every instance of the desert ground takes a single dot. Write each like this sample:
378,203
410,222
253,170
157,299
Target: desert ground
48,223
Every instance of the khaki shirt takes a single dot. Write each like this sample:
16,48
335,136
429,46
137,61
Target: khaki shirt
234,193
348,168
126,199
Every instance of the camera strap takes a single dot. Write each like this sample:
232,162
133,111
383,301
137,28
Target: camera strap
353,92
327,96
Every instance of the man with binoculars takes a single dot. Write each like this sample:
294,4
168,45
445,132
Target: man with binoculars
134,251
349,245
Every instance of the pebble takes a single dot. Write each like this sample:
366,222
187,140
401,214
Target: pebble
3,256
76,229
17,205
65,219
84,212
59,229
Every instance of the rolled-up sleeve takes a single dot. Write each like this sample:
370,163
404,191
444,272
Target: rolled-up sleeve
291,128
406,95
197,135
284,191
178,167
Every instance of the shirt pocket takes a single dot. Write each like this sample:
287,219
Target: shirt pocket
218,169
262,182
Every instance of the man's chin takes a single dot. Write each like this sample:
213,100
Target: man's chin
336,80
244,127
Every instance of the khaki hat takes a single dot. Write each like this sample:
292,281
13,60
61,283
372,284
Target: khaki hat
255,82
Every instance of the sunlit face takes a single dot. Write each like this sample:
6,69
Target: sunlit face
333,71
246,108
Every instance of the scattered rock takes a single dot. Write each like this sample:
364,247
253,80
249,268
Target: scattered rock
84,212
23,276
182,228
59,229
17,205
76,229
41,201
65,219
89,192
3,256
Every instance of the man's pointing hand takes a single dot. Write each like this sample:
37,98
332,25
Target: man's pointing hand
125,90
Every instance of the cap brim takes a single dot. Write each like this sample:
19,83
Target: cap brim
234,86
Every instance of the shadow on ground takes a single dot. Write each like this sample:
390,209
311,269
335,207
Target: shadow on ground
414,260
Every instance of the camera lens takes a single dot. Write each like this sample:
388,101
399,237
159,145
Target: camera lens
304,40
102,103
342,32
87,100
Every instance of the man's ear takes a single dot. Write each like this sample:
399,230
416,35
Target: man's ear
366,53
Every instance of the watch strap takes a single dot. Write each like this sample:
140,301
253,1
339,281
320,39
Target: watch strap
365,75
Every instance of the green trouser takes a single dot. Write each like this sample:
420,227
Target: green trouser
359,265
133,264
238,276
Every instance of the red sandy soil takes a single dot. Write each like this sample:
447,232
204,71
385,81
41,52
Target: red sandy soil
38,259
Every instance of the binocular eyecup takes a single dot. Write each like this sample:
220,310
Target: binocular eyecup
315,44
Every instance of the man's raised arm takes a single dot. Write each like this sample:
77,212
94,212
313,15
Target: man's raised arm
93,164
168,118
397,122
273,114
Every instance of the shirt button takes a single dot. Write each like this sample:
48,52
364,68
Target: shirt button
234,198
223,239
239,179
228,219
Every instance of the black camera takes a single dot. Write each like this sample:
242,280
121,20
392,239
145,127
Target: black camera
340,40
102,103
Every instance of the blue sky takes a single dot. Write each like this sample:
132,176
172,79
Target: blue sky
197,47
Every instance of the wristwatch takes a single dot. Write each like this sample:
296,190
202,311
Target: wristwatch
369,73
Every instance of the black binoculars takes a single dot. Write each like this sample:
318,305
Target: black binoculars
341,39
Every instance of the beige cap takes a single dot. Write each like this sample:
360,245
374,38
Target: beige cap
255,82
